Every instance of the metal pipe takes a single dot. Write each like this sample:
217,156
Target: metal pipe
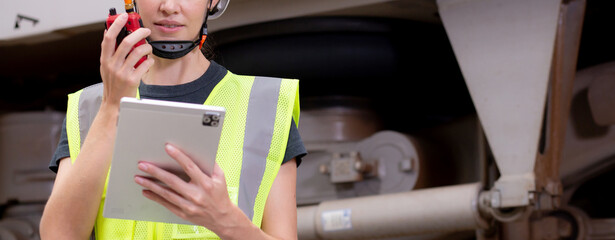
418,212
306,224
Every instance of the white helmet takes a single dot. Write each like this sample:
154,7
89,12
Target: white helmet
218,9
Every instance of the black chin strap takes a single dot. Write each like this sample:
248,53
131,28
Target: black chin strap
177,49
172,49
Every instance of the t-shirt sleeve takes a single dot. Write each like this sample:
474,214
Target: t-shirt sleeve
294,148
62,150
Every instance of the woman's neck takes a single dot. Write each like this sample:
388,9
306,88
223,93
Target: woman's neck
177,71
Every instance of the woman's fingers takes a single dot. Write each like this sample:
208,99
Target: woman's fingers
144,67
172,193
218,173
194,172
118,57
135,56
170,179
162,201
109,39
165,197
201,200
117,67
125,49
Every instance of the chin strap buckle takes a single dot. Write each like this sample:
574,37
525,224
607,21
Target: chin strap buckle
203,37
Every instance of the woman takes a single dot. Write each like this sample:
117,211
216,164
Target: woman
74,207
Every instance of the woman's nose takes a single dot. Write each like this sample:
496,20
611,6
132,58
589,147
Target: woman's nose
169,6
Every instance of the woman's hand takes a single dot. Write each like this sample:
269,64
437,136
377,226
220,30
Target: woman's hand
203,201
117,70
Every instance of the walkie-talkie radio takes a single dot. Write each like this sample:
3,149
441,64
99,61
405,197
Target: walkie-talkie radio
134,22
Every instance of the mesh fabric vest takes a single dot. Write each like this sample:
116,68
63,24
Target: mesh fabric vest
242,96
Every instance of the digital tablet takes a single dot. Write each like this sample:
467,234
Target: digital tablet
143,128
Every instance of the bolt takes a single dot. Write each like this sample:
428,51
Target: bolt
532,197
553,187
362,167
495,199
359,165
405,165
323,169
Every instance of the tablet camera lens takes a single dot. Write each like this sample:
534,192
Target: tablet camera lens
206,120
211,119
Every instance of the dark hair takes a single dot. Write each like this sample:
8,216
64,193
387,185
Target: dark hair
208,49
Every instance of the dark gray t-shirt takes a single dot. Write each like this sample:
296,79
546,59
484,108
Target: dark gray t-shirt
197,92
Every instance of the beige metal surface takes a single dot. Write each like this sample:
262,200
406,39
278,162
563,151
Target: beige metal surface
602,99
248,12
61,19
587,143
386,162
338,124
35,18
506,65
27,141
434,210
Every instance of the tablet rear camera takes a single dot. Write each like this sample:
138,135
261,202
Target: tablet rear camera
211,119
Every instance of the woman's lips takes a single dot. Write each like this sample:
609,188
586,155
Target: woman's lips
168,27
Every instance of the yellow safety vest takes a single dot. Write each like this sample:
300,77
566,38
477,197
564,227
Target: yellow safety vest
251,148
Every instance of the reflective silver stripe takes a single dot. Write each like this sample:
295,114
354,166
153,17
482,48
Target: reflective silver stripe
260,121
89,103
